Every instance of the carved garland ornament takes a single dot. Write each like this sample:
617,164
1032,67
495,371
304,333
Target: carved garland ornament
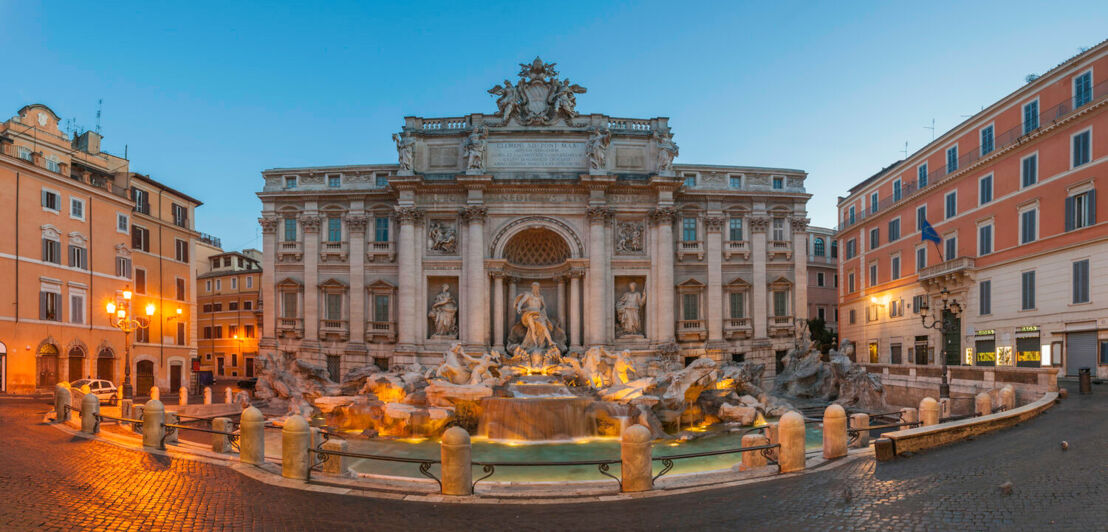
409,214
664,215
799,223
356,223
758,224
713,223
475,213
599,213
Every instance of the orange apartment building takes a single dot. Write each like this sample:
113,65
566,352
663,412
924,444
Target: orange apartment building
1011,194
230,310
83,229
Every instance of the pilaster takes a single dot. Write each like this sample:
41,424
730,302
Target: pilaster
598,257
355,230
758,309
714,251
268,288
800,267
310,223
406,284
476,293
663,217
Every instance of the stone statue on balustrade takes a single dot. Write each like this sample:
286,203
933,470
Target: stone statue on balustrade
405,150
475,146
667,149
444,314
535,341
597,148
629,311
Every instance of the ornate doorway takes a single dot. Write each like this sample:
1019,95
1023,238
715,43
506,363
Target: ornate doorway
47,365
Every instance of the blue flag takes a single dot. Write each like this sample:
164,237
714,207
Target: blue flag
928,233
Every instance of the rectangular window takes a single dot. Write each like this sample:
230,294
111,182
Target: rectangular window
1082,89
895,356
921,216
290,229
181,340
140,281
952,159
896,190
50,305
232,330
181,296
141,199
779,229
288,300
984,240
78,257
140,238
234,283
688,229
207,334
780,303
381,308
894,268
180,215
334,307
77,307
851,248
249,282
290,181
873,274
778,183
985,298
122,223
690,180
1030,117
820,279
921,258
874,201
985,190
735,230
951,248
181,248
896,308
218,285
1082,148
51,251
25,153
917,303
894,230
988,143
921,175
77,208
1081,281
334,230
1027,290
690,306
142,336
51,200
737,302
247,305
381,229
334,180
1028,226
736,181
1029,170
232,305
874,238
850,282
1081,210
217,307
850,214
951,204
381,180
123,267
853,316
218,330
248,331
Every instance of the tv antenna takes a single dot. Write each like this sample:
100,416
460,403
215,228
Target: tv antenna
99,107
931,127
905,150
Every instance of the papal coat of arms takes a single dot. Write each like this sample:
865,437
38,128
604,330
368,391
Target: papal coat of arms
539,97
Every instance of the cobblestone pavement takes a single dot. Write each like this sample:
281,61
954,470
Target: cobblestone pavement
50,480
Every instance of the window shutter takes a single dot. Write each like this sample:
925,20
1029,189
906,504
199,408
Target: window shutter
1091,205
1069,213
134,237
42,305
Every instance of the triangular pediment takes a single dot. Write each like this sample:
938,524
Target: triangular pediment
290,282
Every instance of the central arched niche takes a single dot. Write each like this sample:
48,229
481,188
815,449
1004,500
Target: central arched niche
536,247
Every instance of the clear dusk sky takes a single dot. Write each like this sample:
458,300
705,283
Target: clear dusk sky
205,95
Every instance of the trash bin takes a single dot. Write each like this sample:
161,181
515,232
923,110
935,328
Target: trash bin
1084,381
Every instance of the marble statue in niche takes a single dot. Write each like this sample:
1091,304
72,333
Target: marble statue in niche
475,148
444,313
597,148
442,237
629,311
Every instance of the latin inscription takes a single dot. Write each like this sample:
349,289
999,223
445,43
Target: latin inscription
536,155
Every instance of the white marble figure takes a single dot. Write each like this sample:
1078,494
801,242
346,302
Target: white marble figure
405,150
531,308
597,148
454,368
667,150
623,371
563,97
475,148
628,310
510,100
444,312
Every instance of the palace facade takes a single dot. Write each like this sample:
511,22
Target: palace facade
581,218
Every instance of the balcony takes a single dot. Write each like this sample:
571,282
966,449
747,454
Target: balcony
333,252
779,248
781,326
290,327
380,252
333,330
949,274
736,247
290,251
380,331
690,247
691,330
735,328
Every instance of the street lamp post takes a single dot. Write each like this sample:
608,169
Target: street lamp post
121,318
942,321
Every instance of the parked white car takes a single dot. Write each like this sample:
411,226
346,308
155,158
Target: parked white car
102,389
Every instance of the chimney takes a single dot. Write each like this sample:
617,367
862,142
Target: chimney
88,142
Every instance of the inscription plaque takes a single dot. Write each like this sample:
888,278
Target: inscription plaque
536,155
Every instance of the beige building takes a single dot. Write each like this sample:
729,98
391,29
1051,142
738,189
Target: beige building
229,312
823,276
393,263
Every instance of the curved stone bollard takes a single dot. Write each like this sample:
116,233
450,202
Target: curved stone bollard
909,415
221,443
753,459
295,440
62,399
928,412
207,395
336,465
636,448
153,415
834,432
252,437
1008,397
182,396
228,395
90,407
982,404
155,393
860,422
457,468
790,430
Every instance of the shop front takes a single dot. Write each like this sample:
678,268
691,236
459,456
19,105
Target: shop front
1028,347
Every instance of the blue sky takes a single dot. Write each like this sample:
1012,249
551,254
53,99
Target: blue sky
207,94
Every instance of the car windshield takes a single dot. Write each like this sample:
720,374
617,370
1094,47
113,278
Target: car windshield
80,382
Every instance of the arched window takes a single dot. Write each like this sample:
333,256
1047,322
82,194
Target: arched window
819,249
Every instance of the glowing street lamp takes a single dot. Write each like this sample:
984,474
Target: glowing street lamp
117,317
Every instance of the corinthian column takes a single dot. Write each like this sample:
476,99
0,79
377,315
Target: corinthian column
714,250
476,306
800,267
268,289
575,309
758,309
663,217
355,230
311,225
406,284
598,257
498,310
